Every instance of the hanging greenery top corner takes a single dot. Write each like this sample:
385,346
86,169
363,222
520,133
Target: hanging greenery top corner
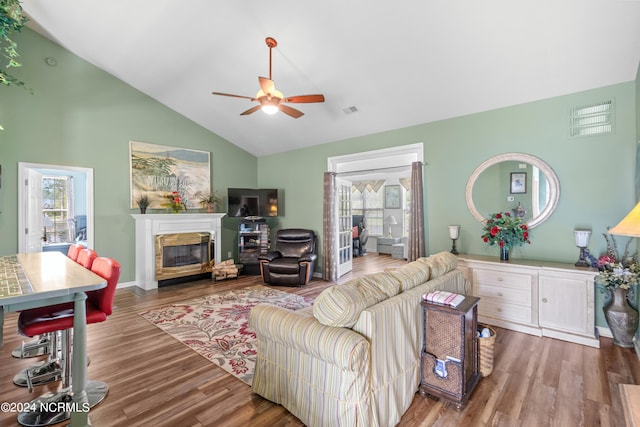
12,19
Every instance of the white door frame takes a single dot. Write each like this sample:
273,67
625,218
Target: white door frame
23,202
401,156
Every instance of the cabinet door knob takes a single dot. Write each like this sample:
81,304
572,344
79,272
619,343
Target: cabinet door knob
499,278
499,310
499,294
544,300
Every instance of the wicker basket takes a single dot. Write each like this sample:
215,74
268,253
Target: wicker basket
486,350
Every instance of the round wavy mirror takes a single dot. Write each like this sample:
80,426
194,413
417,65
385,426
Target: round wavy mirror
513,182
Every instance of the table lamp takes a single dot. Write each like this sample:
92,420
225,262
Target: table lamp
630,224
46,222
582,241
454,233
390,220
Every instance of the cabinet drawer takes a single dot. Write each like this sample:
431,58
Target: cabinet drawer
516,313
503,293
493,277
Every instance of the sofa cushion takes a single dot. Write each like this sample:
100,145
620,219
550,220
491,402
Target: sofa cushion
411,275
440,263
340,305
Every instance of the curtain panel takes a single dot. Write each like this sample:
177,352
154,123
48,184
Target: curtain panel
330,215
416,222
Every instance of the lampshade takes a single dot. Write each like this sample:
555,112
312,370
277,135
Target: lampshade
46,221
390,220
630,224
454,231
582,238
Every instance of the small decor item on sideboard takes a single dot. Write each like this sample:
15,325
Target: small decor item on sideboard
618,274
454,233
519,211
582,241
143,202
506,231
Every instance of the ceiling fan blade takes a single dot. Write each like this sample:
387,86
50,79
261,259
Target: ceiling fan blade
251,110
233,96
291,111
305,98
267,85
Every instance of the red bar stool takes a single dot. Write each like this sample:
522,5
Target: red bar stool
99,305
74,250
86,257
42,346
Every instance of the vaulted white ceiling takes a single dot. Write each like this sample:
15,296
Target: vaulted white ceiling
399,63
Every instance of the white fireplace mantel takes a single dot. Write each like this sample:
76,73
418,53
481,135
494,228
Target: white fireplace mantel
148,226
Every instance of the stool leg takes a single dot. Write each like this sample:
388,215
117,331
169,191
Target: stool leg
56,407
42,373
39,347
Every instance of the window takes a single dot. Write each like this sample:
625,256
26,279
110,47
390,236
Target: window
56,202
370,204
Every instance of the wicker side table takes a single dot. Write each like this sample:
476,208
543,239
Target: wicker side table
449,363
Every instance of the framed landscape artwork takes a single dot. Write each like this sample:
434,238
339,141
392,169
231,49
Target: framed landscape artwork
158,170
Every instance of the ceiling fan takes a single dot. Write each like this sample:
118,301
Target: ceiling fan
272,100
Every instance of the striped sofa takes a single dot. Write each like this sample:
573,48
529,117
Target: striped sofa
353,358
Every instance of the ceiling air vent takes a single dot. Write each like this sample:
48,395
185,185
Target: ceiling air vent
350,110
593,119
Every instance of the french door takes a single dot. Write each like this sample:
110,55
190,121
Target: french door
344,226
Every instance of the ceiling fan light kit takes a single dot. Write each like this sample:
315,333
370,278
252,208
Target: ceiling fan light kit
272,100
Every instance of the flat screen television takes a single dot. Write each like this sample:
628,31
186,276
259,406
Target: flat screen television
244,202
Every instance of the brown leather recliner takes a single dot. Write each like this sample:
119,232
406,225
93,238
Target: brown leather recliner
293,260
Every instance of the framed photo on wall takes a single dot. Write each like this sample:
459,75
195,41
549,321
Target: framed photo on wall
392,197
518,183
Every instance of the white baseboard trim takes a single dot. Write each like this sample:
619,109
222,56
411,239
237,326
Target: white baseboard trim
126,285
603,331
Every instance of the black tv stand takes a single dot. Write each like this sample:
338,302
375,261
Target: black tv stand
253,240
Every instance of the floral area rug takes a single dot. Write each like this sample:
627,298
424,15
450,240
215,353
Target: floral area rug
216,326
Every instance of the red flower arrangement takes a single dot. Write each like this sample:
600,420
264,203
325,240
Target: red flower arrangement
505,230
175,202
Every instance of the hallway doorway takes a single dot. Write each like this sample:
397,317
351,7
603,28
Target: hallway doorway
55,207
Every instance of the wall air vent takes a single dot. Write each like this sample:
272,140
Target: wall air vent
593,119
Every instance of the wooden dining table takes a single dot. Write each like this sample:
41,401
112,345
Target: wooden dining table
45,278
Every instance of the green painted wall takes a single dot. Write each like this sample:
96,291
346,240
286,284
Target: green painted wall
596,173
79,115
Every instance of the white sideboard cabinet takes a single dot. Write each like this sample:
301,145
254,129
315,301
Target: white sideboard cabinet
536,297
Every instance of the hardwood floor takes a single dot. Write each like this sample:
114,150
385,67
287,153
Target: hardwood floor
156,381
